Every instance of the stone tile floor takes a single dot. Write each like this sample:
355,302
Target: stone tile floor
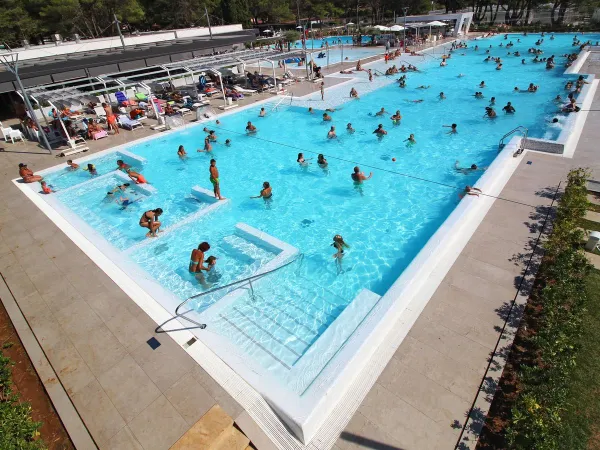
132,397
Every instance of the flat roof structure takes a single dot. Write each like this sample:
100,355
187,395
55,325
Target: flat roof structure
71,60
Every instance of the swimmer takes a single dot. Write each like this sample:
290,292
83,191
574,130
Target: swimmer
149,220
331,134
482,84
214,179
207,146
326,117
452,127
266,192
212,136
489,113
460,75
349,128
558,99
478,95
424,87
262,112
499,66
353,93
493,101
321,161
523,61
380,132
71,165
381,112
555,120
197,258
339,245
442,96
218,122
531,88
415,101
122,165
516,89
181,152
121,187
358,177
228,142
411,140
470,191
396,118
467,170
310,110
509,109
137,177
301,161
45,188
250,129
91,169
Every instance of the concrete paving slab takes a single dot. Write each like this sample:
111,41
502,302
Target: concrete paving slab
98,412
189,398
159,426
123,440
129,388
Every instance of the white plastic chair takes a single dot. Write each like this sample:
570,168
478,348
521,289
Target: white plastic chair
12,134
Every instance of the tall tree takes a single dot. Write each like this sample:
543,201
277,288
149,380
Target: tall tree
235,11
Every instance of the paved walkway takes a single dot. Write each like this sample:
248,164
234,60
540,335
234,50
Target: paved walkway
131,396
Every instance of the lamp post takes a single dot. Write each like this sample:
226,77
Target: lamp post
12,65
405,9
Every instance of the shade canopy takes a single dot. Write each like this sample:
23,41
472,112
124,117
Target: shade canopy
396,28
437,23
382,27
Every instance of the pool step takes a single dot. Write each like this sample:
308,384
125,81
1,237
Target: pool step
214,431
238,245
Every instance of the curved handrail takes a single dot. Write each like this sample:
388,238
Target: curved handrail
245,280
521,129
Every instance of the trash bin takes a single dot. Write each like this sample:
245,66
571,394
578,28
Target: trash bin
592,241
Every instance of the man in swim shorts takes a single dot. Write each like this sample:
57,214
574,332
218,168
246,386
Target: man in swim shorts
214,179
380,132
358,177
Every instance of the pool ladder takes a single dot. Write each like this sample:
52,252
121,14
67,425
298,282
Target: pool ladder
284,98
239,284
520,129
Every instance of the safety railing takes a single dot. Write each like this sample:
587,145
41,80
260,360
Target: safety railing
239,283
520,129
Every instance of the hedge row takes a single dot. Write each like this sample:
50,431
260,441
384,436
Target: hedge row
560,303
17,430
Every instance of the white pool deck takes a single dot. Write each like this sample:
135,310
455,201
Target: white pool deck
129,396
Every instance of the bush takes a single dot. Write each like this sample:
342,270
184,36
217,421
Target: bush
543,385
17,430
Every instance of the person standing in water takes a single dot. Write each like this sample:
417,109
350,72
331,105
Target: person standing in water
214,179
358,177
266,192
181,152
339,245
197,258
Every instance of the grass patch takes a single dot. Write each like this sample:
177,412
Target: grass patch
582,415
589,225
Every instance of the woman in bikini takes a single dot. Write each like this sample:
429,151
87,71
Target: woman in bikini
148,220
197,258
137,177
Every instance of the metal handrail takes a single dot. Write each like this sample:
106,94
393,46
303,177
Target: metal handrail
523,130
291,97
245,280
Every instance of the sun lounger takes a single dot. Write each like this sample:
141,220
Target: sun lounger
244,91
99,135
128,123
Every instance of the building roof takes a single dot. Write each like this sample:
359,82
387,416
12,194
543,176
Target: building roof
69,66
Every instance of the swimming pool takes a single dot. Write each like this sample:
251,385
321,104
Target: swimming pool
301,316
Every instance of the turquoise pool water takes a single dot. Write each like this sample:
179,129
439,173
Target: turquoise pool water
386,221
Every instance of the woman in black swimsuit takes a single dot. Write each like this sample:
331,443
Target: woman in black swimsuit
339,245
148,220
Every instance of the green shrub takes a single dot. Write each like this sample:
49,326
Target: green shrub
17,430
543,385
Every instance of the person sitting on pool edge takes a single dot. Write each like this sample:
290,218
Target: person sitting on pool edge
266,192
27,174
468,190
149,220
353,93
45,188
358,177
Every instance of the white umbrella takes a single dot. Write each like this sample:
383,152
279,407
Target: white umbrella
349,24
396,28
381,28
437,23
